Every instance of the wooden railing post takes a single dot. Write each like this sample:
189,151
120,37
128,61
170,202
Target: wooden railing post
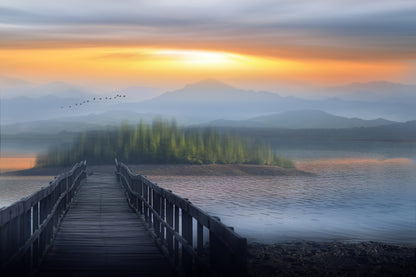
28,226
171,219
140,196
163,219
200,238
156,207
146,200
176,255
187,235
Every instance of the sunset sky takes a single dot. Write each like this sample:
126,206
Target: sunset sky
259,44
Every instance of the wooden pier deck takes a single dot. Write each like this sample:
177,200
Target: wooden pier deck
118,224
102,236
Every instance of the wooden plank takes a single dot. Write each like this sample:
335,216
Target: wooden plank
101,236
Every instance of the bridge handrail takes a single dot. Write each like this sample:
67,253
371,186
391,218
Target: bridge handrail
171,219
28,226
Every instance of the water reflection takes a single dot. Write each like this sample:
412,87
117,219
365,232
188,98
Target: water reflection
349,199
13,188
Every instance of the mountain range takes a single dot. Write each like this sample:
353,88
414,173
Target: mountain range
211,100
380,90
301,119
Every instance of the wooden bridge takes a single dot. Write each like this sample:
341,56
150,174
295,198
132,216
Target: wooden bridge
83,226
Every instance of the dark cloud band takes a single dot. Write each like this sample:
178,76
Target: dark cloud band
282,28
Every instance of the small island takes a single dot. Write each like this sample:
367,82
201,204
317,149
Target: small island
163,142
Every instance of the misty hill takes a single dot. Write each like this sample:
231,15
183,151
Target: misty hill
301,119
45,102
17,88
210,99
203,101
396,132
97,121
25,108
47,127
381,90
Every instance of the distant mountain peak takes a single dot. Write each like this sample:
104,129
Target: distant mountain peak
376,82
206,90
208,84
306,112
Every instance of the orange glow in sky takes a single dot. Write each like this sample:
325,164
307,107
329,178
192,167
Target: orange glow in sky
178,66
16,163
173,43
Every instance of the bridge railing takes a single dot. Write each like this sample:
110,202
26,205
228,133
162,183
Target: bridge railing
195,242
28,226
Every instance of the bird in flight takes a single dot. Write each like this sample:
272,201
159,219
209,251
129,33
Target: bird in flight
95,99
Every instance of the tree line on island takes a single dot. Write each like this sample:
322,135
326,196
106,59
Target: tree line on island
163,142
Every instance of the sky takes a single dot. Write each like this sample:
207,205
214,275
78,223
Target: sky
258,44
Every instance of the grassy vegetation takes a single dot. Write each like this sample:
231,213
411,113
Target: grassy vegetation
163,142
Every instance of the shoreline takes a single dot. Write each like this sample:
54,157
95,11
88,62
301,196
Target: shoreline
51,171
216,170
176,170
309,258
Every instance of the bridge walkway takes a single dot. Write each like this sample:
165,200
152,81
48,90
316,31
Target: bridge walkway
101,236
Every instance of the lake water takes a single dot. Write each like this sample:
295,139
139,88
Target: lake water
354,196
348,200
13,188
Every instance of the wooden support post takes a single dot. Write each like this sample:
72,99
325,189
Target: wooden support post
169,220
4,253
187,235
199,238
66,200
140,191
156,207
146,199
176,256
163,216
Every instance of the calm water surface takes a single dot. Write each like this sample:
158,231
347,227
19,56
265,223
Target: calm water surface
349,200
13,188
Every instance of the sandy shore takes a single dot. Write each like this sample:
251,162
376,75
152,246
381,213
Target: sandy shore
177,170
331,259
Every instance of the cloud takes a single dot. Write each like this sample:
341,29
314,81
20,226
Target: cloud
316,29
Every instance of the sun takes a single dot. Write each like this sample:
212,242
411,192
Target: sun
198,57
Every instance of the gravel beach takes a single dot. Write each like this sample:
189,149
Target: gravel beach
305,258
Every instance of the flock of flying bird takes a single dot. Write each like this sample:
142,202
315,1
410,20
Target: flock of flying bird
92,100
